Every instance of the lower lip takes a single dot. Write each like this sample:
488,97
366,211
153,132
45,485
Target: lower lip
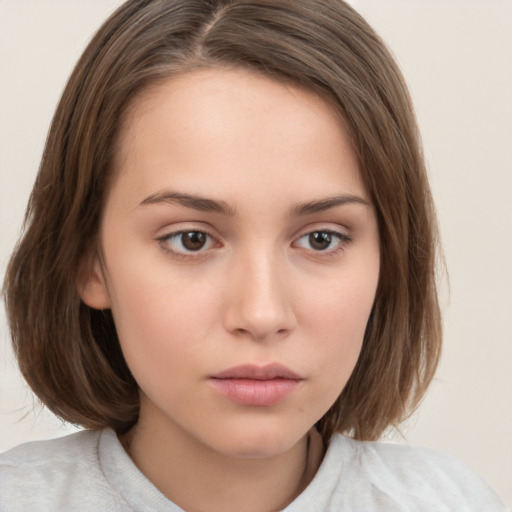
255,392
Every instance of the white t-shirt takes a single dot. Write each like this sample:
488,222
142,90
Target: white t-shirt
90,472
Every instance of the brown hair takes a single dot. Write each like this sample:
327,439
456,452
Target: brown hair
69,353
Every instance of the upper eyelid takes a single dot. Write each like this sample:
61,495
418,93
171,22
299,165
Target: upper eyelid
344,238
343,232
325,230
175,232
202,228
167,233
184,226
172,234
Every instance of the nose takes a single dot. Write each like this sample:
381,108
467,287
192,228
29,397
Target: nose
260,304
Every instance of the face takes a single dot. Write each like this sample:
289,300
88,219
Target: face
240,257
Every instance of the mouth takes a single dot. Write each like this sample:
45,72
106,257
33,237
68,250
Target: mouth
256,385
254,372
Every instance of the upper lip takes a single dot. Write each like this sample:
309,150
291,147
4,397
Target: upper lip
255,372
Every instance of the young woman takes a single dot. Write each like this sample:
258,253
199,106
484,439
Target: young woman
227,273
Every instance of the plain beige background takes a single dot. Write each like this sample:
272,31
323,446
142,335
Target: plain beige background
457,58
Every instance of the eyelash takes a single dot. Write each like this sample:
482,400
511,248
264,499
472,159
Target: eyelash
165,242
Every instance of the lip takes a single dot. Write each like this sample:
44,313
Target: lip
256,385
255,372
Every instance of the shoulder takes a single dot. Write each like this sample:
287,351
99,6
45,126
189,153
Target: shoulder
53,475
412,462
60,450
425,476
359,475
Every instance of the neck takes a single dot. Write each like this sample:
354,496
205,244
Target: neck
197,478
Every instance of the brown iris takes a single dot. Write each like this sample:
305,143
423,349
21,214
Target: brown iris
320,240
193,240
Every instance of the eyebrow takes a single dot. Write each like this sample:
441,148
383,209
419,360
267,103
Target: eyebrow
191,201
321,205
211,205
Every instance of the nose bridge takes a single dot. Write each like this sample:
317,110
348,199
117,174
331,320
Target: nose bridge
260,304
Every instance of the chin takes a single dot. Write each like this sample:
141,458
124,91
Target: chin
257,443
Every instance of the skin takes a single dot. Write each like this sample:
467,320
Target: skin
260,290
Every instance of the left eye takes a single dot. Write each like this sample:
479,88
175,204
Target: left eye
321,241
188,241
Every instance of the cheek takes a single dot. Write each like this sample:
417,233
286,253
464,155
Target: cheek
341,308
151,294
161,318
337,318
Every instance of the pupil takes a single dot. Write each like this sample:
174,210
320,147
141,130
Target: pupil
193,241
320,240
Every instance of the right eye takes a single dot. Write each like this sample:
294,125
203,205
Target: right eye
187,242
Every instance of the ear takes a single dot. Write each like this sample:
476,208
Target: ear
91,283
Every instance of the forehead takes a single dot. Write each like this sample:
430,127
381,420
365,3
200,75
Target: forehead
219,126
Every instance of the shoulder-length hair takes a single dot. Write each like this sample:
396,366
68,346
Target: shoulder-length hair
69,353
